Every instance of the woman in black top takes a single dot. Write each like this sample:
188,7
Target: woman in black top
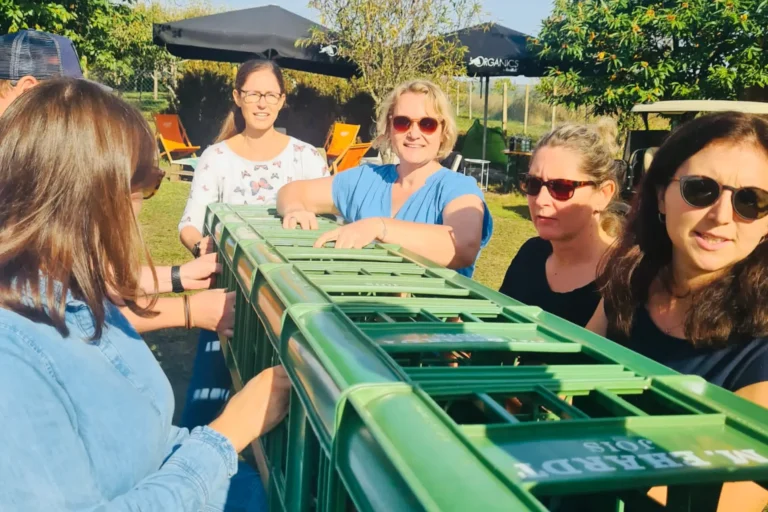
570,185
687,283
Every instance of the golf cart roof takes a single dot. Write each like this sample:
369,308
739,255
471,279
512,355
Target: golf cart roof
686,106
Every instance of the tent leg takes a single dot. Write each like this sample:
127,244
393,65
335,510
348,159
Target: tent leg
485,117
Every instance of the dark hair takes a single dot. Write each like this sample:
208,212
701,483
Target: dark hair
235,123
71,155
734,306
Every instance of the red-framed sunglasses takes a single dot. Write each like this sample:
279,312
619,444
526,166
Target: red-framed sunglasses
559,189
427,125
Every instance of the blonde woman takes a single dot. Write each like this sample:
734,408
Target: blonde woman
570,185
417,204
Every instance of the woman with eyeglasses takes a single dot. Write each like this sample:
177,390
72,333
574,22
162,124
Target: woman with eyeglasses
249,162
417,204
687,282
570,186
86,410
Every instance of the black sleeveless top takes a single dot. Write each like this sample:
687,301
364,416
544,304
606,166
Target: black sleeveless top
732,367
526,281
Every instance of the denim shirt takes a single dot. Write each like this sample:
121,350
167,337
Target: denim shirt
86,425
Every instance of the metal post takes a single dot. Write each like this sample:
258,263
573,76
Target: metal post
485,123
470,99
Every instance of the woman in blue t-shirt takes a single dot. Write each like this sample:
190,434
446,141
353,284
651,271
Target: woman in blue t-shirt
686,284
417,204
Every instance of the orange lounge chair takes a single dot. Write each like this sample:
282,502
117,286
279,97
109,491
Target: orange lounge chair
173,138
350,158
340,137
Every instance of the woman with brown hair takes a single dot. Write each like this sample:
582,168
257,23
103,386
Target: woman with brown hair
248,164
86,409
570,185
250,160
687,282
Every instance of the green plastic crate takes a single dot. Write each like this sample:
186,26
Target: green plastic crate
416,388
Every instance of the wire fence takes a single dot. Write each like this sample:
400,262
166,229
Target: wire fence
149,91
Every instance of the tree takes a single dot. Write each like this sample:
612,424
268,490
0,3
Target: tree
498,85
395,40
86,22
611,54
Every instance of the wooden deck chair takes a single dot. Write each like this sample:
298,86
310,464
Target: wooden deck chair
173,138
340,137
350,158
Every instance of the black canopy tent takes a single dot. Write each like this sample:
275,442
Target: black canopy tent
269,32
495,51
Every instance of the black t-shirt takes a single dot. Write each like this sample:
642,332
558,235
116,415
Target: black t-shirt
733,367
526,281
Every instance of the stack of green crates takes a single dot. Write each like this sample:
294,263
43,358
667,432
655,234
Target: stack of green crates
415,388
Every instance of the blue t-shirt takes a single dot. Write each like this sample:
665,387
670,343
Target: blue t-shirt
366,191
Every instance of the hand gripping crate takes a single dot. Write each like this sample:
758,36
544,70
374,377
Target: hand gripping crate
489,404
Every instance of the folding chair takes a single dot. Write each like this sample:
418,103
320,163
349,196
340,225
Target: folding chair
173,137
452,161
175,143
340,137
350,158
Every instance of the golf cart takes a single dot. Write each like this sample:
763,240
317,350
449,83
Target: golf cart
641,145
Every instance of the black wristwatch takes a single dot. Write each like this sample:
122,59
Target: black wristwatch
196,249
176,284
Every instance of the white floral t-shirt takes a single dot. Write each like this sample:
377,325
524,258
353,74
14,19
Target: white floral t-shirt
221,176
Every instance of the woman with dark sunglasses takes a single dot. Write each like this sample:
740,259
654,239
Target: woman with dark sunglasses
570,185
687,282
417,204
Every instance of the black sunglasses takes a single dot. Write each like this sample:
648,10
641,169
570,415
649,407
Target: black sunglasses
749,203
559,189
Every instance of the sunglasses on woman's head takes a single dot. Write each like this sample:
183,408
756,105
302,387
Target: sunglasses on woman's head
749,203
559,189
427,125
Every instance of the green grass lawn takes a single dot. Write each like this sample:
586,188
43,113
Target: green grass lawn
175,348
463,123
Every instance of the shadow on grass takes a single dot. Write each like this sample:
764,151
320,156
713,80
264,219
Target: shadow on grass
521,210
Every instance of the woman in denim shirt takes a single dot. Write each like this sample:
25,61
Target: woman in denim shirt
86,410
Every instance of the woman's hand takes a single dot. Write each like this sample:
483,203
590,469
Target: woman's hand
356,235
304,219
206,245
256,409
214,310
199,273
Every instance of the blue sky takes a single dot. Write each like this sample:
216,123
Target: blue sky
522,15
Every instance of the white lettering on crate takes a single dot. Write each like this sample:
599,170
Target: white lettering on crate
644,456
450,338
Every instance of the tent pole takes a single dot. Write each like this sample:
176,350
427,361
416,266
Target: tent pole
485,116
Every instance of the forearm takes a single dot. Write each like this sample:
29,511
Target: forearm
147,284
190,236
290,199
170,314
313,196
435,242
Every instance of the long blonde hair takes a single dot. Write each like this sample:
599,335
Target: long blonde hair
70,156
437,100
235,122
